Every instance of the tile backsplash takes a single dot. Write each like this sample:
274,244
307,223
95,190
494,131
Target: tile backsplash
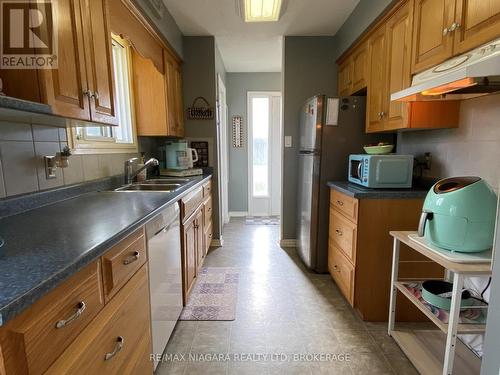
22,147
471,149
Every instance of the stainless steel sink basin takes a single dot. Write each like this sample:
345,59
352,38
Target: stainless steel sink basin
150,187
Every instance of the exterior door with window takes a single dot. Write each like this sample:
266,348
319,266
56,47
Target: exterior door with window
264,159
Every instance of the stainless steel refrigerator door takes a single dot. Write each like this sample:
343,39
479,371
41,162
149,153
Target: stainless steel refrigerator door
308,207
311,124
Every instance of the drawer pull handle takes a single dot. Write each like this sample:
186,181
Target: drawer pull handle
340,203
64,322
118,346
339,232
132,258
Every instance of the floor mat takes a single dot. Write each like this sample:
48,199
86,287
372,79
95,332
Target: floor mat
262,220
214,295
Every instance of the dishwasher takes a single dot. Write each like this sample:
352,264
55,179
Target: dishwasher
165,275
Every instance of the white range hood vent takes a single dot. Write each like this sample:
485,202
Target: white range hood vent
473,74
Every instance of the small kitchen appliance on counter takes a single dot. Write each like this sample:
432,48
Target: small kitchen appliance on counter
381,171
178,156
459,215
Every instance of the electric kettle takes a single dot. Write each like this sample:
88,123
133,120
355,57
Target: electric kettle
459,215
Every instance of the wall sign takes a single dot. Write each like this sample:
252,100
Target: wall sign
237,122
200,112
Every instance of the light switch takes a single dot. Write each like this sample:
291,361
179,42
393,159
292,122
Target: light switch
288,141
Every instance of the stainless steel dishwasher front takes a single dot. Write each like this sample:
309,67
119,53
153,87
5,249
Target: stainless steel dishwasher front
165,275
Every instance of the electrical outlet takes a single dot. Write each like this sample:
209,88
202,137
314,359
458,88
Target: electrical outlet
288,141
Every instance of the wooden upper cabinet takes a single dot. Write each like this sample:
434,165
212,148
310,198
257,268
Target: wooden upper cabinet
99,63
377,92
432,38
65,88
175,108
398,37
479,22
345,78
150,103
359,65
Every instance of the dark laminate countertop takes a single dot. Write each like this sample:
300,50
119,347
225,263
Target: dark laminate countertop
45,246
361,192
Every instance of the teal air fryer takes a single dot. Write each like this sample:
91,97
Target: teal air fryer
459,215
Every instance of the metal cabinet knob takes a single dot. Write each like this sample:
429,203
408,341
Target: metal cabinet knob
446,31
80,309
132,258
118,346
340,203
87,93
454,26
95,95
339,232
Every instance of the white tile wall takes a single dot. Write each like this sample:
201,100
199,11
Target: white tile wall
472,149
22,169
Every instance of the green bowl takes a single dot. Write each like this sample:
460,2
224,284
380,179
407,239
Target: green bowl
432,288
379,150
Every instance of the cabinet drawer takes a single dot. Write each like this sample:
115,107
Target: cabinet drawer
122,261
343,234
207,218
208,238
190,203
126,319
345,204
342,272
32,341
207,189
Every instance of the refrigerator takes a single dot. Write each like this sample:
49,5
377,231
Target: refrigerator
330,130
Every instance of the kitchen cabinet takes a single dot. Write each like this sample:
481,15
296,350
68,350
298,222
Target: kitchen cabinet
196,233
82,86
150,103
432,40
72,328
352,72
175,108
479,23
360,252
445,28
389,49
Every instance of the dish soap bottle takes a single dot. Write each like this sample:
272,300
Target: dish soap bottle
143,175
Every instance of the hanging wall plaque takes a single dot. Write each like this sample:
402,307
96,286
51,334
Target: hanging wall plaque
197,112
237,131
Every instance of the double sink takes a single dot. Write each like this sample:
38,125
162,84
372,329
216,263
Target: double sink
164,185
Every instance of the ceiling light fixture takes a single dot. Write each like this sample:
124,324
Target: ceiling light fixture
261,10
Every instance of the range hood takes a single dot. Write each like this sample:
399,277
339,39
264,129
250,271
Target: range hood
473,74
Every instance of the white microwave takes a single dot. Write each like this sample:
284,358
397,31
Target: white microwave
381,171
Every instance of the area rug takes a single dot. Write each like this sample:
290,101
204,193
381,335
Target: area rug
262,220
213,296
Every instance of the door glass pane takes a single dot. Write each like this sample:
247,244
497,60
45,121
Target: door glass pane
260,142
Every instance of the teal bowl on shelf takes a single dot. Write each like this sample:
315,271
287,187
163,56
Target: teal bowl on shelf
431,290
378,150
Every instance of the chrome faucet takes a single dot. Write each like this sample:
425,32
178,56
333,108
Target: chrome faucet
130,175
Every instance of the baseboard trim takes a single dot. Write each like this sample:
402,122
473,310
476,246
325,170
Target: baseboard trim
288,243
217,242
238,213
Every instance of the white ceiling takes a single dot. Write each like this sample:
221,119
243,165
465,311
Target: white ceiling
256,47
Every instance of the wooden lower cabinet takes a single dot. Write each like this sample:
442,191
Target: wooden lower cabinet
196,234
118,334
360,253
73,328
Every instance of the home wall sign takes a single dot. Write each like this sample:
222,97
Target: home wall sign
200,112
237,134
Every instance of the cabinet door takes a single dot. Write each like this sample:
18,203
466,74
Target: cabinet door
200,240
99,62
189,256
479,22
64,89
432,42
398,36
345,78
359,64
149,97
376,94
175,109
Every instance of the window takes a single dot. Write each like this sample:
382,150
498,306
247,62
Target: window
119,138
260,143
